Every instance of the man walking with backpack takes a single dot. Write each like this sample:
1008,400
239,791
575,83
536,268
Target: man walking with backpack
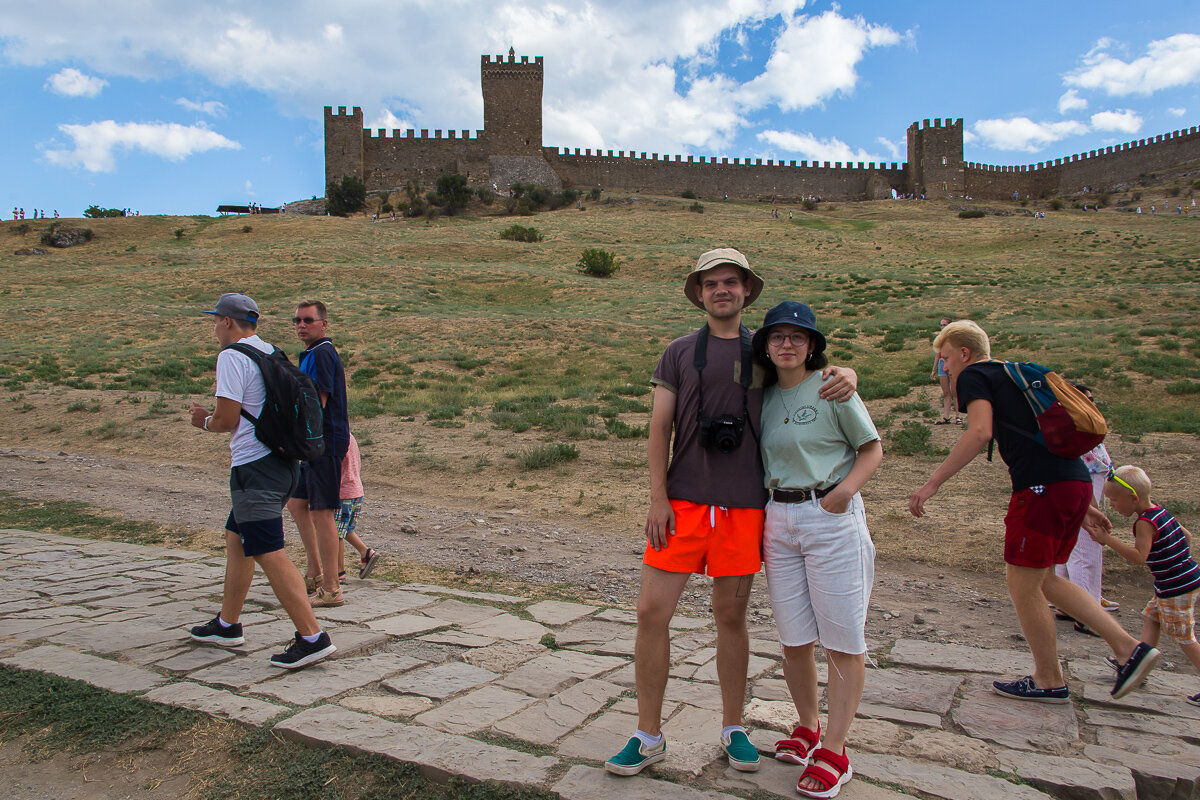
1051,500
317,498
260,483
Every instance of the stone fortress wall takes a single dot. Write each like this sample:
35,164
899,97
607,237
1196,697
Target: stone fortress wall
509,149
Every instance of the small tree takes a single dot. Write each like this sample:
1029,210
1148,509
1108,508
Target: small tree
453,190
345,198
597,263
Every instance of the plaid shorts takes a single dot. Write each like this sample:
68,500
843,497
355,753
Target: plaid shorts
347,515
1175,615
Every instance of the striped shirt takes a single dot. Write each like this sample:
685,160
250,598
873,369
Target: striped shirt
1170,560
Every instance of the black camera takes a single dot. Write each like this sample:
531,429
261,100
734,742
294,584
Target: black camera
723,432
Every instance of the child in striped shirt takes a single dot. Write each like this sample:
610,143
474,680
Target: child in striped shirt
1162,544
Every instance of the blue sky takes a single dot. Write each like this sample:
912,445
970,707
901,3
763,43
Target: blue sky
173,109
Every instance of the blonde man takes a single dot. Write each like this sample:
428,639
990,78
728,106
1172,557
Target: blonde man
1051,500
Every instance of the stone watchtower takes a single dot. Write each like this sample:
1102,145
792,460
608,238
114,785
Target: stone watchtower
343,144
935,159
512,105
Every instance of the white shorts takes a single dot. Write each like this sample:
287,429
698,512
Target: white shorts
820,569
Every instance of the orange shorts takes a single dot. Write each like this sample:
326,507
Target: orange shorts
711,539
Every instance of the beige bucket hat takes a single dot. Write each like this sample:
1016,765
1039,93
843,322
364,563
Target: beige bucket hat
718,258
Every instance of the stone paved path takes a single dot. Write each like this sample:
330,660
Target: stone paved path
499,687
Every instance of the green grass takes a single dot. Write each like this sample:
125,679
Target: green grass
71,518
547,456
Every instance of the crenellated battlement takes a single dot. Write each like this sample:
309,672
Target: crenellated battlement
509,148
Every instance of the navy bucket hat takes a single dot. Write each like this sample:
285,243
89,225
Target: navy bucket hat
789,312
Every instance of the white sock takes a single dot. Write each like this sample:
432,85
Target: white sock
311,639
647,739
728,730
223,623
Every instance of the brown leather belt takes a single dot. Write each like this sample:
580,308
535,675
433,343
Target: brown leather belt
799,495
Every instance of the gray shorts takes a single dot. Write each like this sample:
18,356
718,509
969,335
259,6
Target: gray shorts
258,492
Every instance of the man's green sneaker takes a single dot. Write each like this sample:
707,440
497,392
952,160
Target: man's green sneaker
636,756
742,755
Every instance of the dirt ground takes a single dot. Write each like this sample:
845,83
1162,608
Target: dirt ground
447,501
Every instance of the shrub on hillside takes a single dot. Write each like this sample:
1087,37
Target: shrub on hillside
1056,204
808,204
594,193
521,233
96,212
453,190
345,198
697,207
971,213
688,194
598,263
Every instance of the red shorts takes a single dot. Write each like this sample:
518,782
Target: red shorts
712,539
1040,529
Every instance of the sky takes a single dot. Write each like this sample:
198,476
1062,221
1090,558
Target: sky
173,108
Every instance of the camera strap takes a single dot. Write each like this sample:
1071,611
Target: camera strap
700,361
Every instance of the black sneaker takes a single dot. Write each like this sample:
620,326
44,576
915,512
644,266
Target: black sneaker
214,633
1130,675
1026,689
301,653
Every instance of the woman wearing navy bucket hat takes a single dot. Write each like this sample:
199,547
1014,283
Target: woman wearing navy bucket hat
818,553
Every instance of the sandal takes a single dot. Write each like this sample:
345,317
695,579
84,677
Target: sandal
831,782
311,584
944,421
1194,699
796,750
958,420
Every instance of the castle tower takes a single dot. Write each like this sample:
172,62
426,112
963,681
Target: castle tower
512,104
935,158
343,144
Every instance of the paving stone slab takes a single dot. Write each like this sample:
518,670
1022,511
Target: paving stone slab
779,779
590,632
353,641
911,689
113,637
486,597
1145,723
603,738
621,615
1170,705
328,678
770,689
557,613
1015,723
440,682
590,783
1155,778
935,780
1070,778
240,673
1147,745
693,740
503,657
459,638
701,695
37,628
194,658
545,675
363,606
100,672
620,648
549,720
507,627
391,705
777,715
960,658
944,747
475,710
903,715
439,756
407,624
215,702
757,666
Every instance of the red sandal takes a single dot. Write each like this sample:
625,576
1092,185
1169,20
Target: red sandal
797,749
831,782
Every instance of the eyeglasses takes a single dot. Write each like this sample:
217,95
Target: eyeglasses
1112,476
307,320
798,339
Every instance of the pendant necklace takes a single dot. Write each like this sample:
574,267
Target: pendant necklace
788,415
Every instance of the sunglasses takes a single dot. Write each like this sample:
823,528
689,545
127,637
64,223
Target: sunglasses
306,320
1112,476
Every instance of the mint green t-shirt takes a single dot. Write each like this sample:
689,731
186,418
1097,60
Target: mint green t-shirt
816,447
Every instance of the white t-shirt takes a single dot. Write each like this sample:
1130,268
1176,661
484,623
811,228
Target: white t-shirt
239,378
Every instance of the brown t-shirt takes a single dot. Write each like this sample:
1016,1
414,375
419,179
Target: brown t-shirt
705,475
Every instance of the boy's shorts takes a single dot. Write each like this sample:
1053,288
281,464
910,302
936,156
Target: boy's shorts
321,482
710,539
1176,616
258,492
1040,528
347,515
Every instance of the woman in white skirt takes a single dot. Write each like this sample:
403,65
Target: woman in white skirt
818,553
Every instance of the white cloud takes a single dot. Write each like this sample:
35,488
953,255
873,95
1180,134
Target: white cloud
1126,121
1176,112
1170,62
813,59
1022,133
95,144
389,121
213,108
814,149
249,188
73,83
893,148
1071,101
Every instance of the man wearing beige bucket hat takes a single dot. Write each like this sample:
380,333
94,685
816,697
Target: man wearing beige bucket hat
706,500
